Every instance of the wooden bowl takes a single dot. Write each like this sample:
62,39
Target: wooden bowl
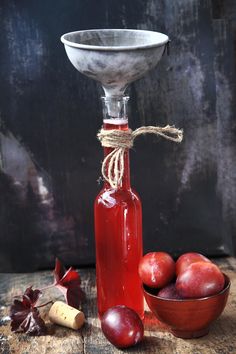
188,318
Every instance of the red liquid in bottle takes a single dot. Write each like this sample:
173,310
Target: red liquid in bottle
118,234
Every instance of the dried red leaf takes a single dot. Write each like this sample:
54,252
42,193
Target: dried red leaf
68,282
31,296
25,315
59,270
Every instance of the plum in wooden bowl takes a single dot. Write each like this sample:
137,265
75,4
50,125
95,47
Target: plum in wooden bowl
188,318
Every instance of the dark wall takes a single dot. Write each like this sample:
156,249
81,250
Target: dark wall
50,115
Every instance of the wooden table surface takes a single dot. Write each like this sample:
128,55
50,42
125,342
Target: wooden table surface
90,340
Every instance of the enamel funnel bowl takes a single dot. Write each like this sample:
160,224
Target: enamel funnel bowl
114,57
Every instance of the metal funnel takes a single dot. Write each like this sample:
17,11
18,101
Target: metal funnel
114,57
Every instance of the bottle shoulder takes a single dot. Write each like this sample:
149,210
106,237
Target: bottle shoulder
111,197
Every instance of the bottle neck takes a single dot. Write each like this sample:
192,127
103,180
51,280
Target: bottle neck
115,117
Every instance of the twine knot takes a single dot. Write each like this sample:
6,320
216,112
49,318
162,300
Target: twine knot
121,140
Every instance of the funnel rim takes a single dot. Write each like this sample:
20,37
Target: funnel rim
114,48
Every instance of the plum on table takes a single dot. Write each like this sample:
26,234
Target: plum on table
122,326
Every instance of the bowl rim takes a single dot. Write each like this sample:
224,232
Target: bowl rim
113,48
226,288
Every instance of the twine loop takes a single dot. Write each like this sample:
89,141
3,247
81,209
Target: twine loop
121,140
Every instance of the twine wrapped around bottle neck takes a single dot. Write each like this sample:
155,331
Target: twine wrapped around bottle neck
120,140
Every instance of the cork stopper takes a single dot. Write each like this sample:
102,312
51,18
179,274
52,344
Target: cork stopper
65,315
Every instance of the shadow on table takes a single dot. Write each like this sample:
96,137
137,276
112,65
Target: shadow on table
150,342
95,338
151,323
226,322
97,341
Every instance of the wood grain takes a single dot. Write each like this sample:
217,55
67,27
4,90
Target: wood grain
90,340
50,115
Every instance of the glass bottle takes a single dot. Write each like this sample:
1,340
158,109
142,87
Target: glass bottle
118,228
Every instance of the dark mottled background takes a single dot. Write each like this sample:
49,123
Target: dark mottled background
50,115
